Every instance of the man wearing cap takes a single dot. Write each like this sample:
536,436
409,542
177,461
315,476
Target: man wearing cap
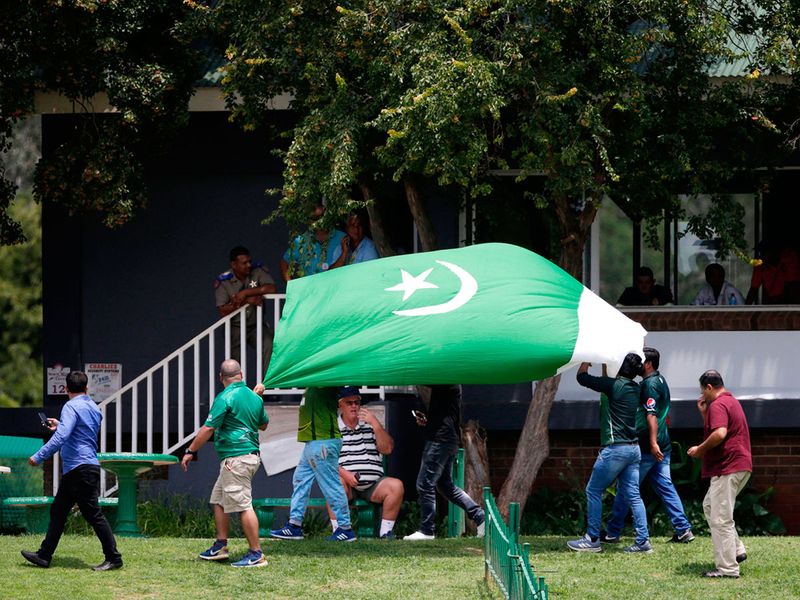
236,417
244,285
619,456
364,443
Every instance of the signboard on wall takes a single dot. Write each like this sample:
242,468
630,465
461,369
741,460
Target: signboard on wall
57,380
104,379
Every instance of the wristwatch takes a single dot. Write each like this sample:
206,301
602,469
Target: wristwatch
192,452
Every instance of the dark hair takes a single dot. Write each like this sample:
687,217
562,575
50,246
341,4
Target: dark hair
645,271
715,267
712,378
631,366
238,251
652,355
77,382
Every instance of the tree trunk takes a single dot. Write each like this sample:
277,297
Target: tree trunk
376,224
476,464
424,227
534,442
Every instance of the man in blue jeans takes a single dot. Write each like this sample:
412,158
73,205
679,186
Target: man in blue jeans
620,455
319,428
443,438
655,446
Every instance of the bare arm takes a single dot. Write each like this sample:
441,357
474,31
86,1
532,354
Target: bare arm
652,428
285,270
712,441
383,441
203,435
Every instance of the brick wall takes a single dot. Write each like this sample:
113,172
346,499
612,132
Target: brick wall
776,463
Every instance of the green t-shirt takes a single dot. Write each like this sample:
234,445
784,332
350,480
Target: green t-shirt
654,401
318,418
236,415
619,401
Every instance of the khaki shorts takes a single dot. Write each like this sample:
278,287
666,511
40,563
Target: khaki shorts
233,489
366,493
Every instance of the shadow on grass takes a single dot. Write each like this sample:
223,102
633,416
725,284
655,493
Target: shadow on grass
694,568
67,562
368,548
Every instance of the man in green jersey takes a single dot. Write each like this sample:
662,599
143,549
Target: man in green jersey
318,428
655,445
237,414
619,456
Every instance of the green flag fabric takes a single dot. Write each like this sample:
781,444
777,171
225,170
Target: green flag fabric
488,313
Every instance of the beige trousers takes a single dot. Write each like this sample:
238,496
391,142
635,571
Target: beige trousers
718,507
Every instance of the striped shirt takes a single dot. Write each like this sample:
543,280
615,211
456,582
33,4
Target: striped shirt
360,453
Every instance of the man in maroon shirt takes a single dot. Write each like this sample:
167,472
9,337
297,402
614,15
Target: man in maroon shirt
727,460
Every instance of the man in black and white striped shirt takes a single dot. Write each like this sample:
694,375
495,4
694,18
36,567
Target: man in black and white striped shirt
364,443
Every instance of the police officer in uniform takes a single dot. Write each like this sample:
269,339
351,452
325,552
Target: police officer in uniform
244,285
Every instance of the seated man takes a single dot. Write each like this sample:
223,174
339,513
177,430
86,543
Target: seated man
313,252
645,292
717,291
364,441
356,246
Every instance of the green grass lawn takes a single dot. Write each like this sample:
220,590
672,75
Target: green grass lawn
375,570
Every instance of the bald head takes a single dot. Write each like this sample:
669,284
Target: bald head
230,371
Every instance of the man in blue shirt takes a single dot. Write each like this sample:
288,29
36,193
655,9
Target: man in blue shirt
76,437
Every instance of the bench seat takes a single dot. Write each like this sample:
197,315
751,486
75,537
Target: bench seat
265,508
37,510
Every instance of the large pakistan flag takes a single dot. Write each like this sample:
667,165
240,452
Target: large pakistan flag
489,313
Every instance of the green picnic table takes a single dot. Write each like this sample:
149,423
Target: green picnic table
126,466
5,470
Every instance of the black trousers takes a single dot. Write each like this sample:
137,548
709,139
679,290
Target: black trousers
82,486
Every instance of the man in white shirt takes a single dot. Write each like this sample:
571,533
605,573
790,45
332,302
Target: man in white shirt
717,291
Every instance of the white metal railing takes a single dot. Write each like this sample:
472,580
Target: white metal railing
170,394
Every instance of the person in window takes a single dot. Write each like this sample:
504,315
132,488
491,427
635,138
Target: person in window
717,291
778,274
646,292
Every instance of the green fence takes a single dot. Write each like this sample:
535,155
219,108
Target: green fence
455,514
24,480
505,559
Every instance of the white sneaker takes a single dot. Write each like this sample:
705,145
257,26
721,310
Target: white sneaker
418,535
481,530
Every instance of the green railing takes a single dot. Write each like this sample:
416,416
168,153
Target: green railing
505,559
455,514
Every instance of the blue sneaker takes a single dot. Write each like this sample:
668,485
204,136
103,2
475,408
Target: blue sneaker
218,551
389,535
290,531
645,548
253,558
342,535
585,544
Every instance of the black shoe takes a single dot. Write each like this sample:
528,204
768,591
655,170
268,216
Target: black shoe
684,538
34,558
607,539
740,558
107,565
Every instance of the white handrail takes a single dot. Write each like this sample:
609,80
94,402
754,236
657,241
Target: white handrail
186,371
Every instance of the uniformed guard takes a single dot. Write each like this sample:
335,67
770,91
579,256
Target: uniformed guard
244,285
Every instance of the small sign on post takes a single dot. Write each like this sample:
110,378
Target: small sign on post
57,380
104,379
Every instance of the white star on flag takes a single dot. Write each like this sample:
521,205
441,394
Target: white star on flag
411,284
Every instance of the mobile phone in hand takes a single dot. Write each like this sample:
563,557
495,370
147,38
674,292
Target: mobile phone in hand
43,419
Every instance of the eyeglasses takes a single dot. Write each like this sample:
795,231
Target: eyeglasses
354,402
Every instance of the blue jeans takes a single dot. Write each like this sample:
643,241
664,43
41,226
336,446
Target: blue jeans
620,462
435,473
320,460
659,476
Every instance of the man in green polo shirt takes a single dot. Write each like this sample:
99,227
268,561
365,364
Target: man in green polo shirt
236,416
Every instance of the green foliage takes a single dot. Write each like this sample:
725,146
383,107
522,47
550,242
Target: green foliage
21,310
138,52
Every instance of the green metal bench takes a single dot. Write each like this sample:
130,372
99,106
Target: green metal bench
265,509
37,510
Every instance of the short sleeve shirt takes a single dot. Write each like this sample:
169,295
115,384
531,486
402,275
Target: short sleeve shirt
307,256
365,251
360,454
227,285
655,400
733,455
619,401
236,415
318,417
